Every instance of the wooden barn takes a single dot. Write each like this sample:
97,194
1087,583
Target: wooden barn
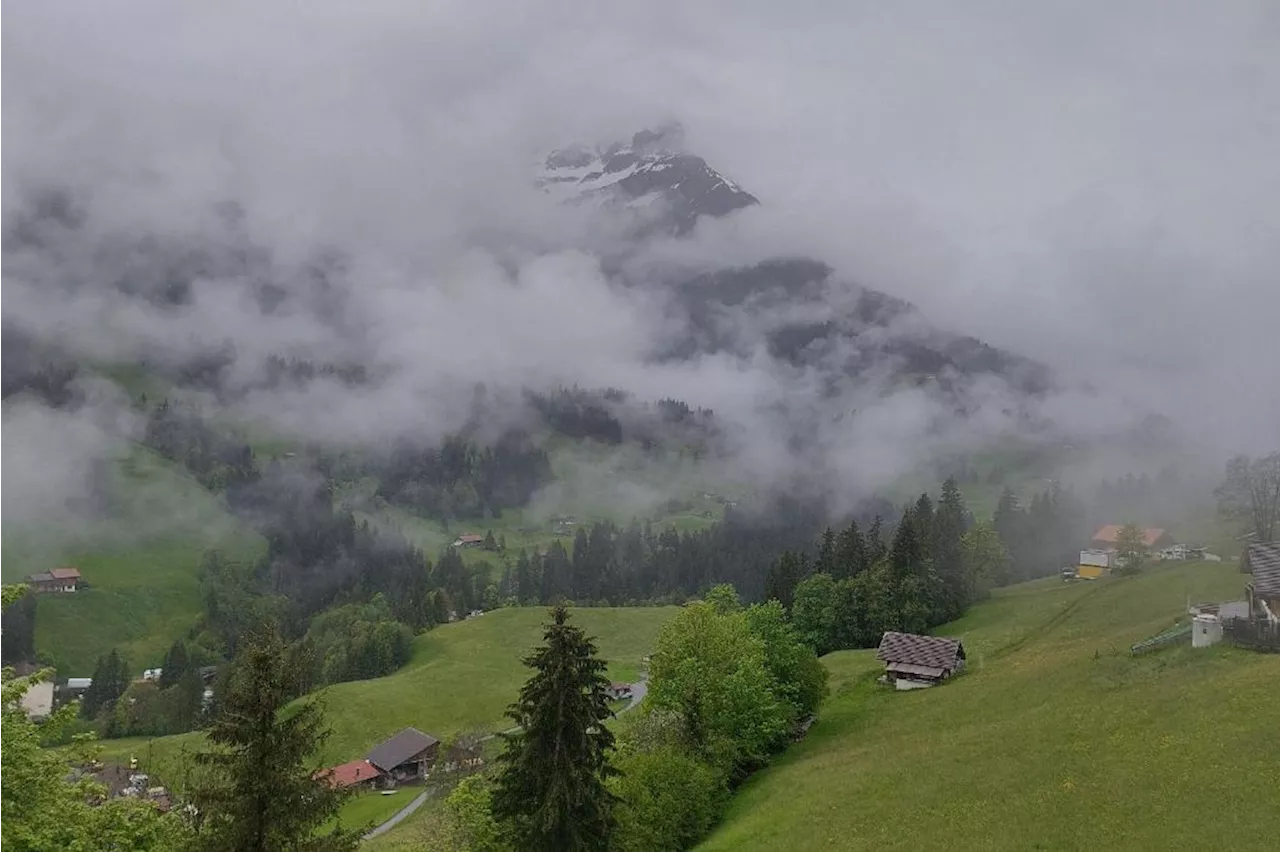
912,661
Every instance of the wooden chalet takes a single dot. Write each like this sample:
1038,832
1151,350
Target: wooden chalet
55,580
1262,560
411,755
912,661
405,757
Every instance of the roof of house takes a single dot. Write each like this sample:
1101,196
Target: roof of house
912,669
350,773
400,748
44,577
467,538
65,573
1263,561
1111,533
913,649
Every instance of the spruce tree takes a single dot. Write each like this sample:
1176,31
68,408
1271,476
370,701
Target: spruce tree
875,546
174,665
783,577
950,525
188,699
551,790
526,587
261,794
94,697
827,561
851,553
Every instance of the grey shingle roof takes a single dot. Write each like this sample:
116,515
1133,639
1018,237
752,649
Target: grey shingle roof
1263,561
913,649
400,748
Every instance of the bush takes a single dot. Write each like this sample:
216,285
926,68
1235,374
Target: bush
669,801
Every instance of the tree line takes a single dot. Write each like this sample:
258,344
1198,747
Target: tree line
461,479
637,564
182,434
935,564
1044,534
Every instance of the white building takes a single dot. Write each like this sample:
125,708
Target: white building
1206,630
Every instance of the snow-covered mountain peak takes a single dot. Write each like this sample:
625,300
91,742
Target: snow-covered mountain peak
652,169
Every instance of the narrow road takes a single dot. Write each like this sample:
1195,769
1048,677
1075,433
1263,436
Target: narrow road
639,690
403,813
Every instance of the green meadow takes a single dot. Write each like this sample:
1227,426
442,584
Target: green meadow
139,561
1055,738
460,679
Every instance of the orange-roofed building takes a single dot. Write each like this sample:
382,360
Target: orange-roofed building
1108,536
351,774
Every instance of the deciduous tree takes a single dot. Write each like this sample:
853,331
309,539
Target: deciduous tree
1131,547
986,560
44,806
710,669
1250,495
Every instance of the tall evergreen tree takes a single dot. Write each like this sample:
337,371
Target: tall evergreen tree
261,794
92,700
526,582
583,569
827,553
851,552
923,517
907,552
949,526
188,700
557,574
551,790
174,665
782,579
875,545
1010,521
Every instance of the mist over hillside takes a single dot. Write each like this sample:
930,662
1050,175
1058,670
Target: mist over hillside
861,263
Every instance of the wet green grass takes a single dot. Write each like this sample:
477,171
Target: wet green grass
1056,738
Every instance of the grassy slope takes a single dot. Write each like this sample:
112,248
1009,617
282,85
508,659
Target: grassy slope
1057,739
461,678
140,563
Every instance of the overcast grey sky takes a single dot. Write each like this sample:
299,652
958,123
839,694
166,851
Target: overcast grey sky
1091,184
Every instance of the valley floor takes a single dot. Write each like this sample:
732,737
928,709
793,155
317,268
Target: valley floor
1056,738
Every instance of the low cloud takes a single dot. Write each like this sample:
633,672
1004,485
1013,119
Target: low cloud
1093,191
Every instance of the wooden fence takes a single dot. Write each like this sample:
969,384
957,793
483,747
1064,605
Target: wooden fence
1258,635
